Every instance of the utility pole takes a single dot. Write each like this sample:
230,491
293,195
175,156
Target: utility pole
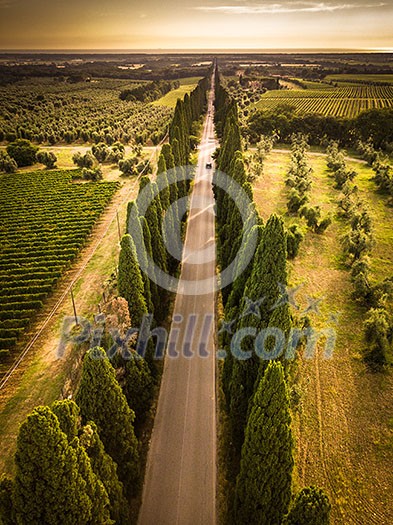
74,307
118,225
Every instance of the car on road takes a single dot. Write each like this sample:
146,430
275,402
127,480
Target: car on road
208,165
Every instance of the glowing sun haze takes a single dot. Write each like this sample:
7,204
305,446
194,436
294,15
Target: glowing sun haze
193,24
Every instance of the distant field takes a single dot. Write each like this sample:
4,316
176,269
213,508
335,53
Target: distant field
346,101
186,86
45,220
364,79
309,84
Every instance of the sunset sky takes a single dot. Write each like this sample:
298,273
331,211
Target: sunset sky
196,24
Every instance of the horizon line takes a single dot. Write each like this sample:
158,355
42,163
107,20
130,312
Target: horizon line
284,50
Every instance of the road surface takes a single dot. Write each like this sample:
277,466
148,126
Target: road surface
180,480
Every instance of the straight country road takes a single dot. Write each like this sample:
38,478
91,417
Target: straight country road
180,480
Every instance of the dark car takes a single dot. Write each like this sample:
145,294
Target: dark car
209,165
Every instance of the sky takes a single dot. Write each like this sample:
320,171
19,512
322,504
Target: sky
196,24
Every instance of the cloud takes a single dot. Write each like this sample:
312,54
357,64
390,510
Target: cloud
288,7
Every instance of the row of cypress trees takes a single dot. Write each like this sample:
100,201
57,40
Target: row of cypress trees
78,461
255,390
142,293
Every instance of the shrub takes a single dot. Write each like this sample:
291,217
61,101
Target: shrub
294,238
48,158
23,152
93,174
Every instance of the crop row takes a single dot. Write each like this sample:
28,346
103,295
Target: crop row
45,219
343,102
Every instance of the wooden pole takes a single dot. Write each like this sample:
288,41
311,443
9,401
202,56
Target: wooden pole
118,225
74,307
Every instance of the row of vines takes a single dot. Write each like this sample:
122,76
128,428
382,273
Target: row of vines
39,238
346,101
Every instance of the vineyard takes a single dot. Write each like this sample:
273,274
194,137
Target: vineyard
45,219
347,101
361,79
50,111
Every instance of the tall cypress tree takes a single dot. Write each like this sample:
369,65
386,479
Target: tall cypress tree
138,236
102,465
106,470
268,272
7,513
263,486
49,487
101,400
311,507
151,215
130,283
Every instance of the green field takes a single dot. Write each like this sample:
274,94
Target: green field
186,86
346,101
45,220
363,79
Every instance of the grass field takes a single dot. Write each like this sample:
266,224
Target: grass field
347,101
343,422
186,86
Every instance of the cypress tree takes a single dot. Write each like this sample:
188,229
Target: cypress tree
7,514
67,412
102,465
106,470
94,487
155,296
130,283
151,216
311,507
49,487
263,486
138,236
269,270
101,400
138,386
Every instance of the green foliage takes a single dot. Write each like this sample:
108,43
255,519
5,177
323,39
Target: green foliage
106,470
94,174
23,152
49,486
263,486
67,412
130,282
264,147
377,328
48,158
54,218
311,507
83,161
7,514
139,386
7,164
101,400
128,166
268,273
294,238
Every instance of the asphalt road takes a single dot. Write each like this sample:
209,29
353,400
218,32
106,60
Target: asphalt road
180,480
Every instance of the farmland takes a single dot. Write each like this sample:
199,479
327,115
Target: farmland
49,111
169,100
342,423
45,221
347,101
361,79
